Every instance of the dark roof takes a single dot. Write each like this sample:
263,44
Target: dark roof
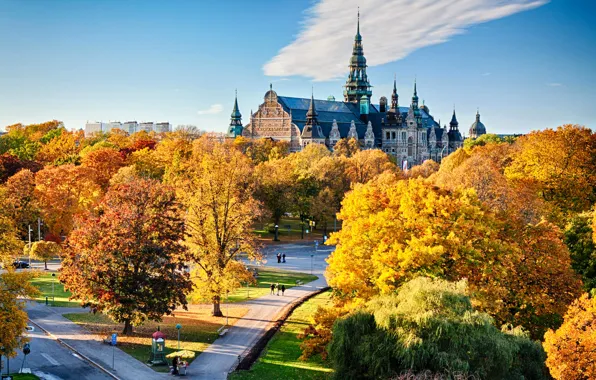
343,113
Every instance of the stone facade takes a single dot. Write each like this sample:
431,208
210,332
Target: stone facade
411,134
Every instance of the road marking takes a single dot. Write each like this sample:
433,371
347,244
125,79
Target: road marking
50,359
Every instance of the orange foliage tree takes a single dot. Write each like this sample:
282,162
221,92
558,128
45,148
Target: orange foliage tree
571,350
63,192
127,260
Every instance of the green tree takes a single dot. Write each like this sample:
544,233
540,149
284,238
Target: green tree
431,325
578,237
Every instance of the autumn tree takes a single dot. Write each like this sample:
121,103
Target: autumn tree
126,259
560,165
221,212
105,162
275,186
571,349
393,230
20,203
424,170
367,164
61,147
346,147
44,251
10,165
63,192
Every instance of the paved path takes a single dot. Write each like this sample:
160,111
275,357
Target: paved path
51,360
222,356
126,367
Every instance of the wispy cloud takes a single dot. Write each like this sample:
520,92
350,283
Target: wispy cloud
391,29
554,84
486,74
215,108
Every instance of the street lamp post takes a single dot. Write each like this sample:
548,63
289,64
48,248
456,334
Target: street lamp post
39,223
53,283
276,233
178,327
30,230
227,308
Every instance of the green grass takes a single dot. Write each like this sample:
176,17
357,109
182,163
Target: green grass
267,276
280,359
44,284
24,376
294,233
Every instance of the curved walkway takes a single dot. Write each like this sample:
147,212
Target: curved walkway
225,353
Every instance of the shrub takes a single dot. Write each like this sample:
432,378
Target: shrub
430,325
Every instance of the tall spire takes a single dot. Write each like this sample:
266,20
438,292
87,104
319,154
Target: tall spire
357,85
358,36
312,112
394,96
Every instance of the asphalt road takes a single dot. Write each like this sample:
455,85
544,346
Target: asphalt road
50,360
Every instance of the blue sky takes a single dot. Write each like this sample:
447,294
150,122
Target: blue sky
527,64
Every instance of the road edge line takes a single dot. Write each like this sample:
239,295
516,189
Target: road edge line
85,357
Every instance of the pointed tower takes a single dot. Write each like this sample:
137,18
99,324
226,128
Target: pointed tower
455,139
312,130
235,128
357,87
414,106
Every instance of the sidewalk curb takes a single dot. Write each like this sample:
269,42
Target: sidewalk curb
250,355
85,357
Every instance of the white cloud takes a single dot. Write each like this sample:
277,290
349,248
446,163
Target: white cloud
486,74
214,109
391,29
554,84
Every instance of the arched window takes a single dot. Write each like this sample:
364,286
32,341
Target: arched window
387,135
410,146
393,135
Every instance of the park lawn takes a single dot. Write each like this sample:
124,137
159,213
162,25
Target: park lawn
294,232
280,358
199,330
44,284
24,376
268,276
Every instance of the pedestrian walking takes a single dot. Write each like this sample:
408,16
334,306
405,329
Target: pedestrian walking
278,257
272,288
283,258
283,289
277,286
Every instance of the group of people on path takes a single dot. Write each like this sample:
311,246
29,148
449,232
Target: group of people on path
278,288
281,258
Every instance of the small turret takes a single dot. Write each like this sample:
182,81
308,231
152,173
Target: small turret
235,128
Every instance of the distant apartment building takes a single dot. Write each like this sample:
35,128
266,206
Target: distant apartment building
112,125
162,127
146,126
130,127
93,128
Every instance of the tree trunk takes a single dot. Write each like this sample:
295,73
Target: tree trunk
46,264
127,328
217,307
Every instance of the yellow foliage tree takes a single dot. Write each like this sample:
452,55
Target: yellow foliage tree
571,350
221,212
559,164
44,251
